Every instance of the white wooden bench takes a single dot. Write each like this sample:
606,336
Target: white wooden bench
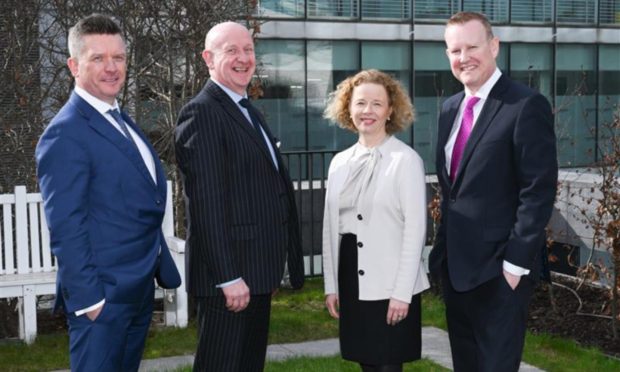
28,268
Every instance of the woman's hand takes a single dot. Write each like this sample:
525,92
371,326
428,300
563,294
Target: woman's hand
397,311
331,301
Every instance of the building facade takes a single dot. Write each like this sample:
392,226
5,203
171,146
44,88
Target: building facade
567,49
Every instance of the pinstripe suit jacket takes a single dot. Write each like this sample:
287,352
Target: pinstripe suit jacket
241,214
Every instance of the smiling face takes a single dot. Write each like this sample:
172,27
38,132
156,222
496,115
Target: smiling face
100,66
370,108
471,53
229,54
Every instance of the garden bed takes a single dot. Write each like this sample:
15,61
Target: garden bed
586,330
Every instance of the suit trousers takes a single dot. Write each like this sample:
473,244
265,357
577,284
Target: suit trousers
114,341
486,325
229,341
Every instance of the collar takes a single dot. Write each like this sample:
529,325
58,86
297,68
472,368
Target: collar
359,149
234,96
99,105
485,89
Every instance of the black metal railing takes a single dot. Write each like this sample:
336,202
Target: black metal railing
308,170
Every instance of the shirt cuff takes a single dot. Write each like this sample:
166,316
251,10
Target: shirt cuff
514,269
226,284
90,308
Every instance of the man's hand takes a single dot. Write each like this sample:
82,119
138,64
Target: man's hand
513,280
397,311
93,314
237,296
332,303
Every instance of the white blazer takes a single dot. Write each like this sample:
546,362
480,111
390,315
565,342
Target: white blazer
393,236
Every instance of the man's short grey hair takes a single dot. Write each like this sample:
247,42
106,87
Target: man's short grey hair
94,24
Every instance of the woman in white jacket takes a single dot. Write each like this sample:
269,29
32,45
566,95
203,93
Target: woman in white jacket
374,226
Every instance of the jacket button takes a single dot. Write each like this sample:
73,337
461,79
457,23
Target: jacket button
359,217
361,272
360,244
158,202
452,200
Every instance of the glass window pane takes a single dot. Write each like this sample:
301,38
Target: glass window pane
435,9
531,11
496,11
329,63
280,8
392,9
609,12
609,94
576,11
281,70
393,58
575,104
434,82
332,9
531,64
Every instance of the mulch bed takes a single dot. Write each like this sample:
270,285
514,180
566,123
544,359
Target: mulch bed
586,330
564,322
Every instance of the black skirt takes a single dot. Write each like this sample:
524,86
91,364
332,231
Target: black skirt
365,336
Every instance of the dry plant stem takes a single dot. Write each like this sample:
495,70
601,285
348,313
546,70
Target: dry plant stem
578,312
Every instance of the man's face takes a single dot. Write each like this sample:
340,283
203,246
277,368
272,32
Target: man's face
101,66
471,53
231,58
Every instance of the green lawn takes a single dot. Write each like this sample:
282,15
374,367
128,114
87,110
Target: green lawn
333,364
300,316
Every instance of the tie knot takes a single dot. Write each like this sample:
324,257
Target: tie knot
245,102
471,102
115,114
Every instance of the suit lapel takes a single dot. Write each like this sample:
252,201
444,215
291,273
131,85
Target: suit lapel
490,109
445,127
240,120
159,171
101,125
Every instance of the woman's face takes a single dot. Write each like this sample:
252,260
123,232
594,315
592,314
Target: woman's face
370,108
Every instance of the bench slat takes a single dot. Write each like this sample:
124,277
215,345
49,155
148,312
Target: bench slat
35,246
9,259
21,230
48,264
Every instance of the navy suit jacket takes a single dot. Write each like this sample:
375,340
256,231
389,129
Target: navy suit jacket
241,214
502,198
103,209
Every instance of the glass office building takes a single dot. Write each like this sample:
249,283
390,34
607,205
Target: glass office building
567,49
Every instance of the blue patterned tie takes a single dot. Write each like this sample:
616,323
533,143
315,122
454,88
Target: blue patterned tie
121,123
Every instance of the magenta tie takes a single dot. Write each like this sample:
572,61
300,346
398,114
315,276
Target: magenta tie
463,135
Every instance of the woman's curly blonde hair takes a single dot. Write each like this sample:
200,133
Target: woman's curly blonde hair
337,109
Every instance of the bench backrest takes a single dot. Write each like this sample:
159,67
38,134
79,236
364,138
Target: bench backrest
24,236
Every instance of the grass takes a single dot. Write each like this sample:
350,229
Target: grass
333,364
300,316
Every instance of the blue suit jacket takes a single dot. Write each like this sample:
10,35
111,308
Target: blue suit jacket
502,198
103,209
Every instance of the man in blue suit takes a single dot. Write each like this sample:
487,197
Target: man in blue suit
104,191
497,167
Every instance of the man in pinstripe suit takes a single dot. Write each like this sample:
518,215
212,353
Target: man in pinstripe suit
241,216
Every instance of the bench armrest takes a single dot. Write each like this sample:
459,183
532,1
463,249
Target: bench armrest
175,244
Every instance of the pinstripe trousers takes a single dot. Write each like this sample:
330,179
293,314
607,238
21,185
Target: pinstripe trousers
229,341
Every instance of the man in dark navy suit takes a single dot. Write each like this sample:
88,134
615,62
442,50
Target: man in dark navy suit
241,215
104,191
497,168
